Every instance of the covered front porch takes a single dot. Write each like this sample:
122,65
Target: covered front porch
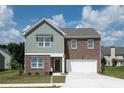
58,64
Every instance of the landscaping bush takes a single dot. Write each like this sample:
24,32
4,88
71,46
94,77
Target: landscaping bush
103,63
114,62
29,73
14,64
37,73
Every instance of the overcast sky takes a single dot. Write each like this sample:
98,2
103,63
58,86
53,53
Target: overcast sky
107,20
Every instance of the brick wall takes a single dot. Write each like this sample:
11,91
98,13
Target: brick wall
82,51
28,69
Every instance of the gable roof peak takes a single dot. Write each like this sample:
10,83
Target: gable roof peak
48,21
5,51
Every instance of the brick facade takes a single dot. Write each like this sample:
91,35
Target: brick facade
82,52
45,70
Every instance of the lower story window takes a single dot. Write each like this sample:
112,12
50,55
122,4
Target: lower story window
37,63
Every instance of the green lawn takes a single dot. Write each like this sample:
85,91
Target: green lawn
12,77
115,71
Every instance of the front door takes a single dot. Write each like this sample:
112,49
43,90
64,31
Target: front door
57,63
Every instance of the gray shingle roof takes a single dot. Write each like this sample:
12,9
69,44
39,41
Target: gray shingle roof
106,51
5,51
118,51
80,33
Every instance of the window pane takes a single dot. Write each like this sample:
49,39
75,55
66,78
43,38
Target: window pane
40,39
90,46
40,60
40,65
44,41
90,43
47,44
73,46
41,43
34,62
47,39
73,43
34,65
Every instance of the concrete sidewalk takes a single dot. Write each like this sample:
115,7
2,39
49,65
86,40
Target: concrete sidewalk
31,85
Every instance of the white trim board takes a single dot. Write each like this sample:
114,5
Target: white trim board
82,60
51,54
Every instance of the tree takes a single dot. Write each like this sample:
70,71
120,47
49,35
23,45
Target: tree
3,46
14,64
20,56
17,52
103,63
13,48
114,62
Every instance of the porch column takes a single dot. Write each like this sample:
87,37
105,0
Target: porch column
63,64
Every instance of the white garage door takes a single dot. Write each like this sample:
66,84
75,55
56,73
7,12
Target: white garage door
81,65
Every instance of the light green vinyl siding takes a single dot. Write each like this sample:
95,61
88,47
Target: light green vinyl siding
57,45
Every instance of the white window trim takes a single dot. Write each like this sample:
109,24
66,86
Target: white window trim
72,44
37,65
43,44
88,44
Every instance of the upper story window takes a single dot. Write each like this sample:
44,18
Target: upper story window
90,44
73,44
44,41
37,63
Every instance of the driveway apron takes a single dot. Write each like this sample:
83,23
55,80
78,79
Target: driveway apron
91,80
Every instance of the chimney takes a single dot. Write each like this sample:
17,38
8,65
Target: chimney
113,52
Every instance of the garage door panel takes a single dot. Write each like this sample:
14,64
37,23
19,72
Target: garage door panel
81,66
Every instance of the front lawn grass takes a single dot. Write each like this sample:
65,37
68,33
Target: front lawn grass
12,77
115,71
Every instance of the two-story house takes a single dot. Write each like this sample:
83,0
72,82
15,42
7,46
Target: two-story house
61,50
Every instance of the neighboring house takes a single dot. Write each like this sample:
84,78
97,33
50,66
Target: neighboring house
5,58
61,50
114,53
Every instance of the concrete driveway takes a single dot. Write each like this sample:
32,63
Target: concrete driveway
92,80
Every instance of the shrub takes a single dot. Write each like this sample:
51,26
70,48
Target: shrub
14,64
37,73
103,63
114,62
29,73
